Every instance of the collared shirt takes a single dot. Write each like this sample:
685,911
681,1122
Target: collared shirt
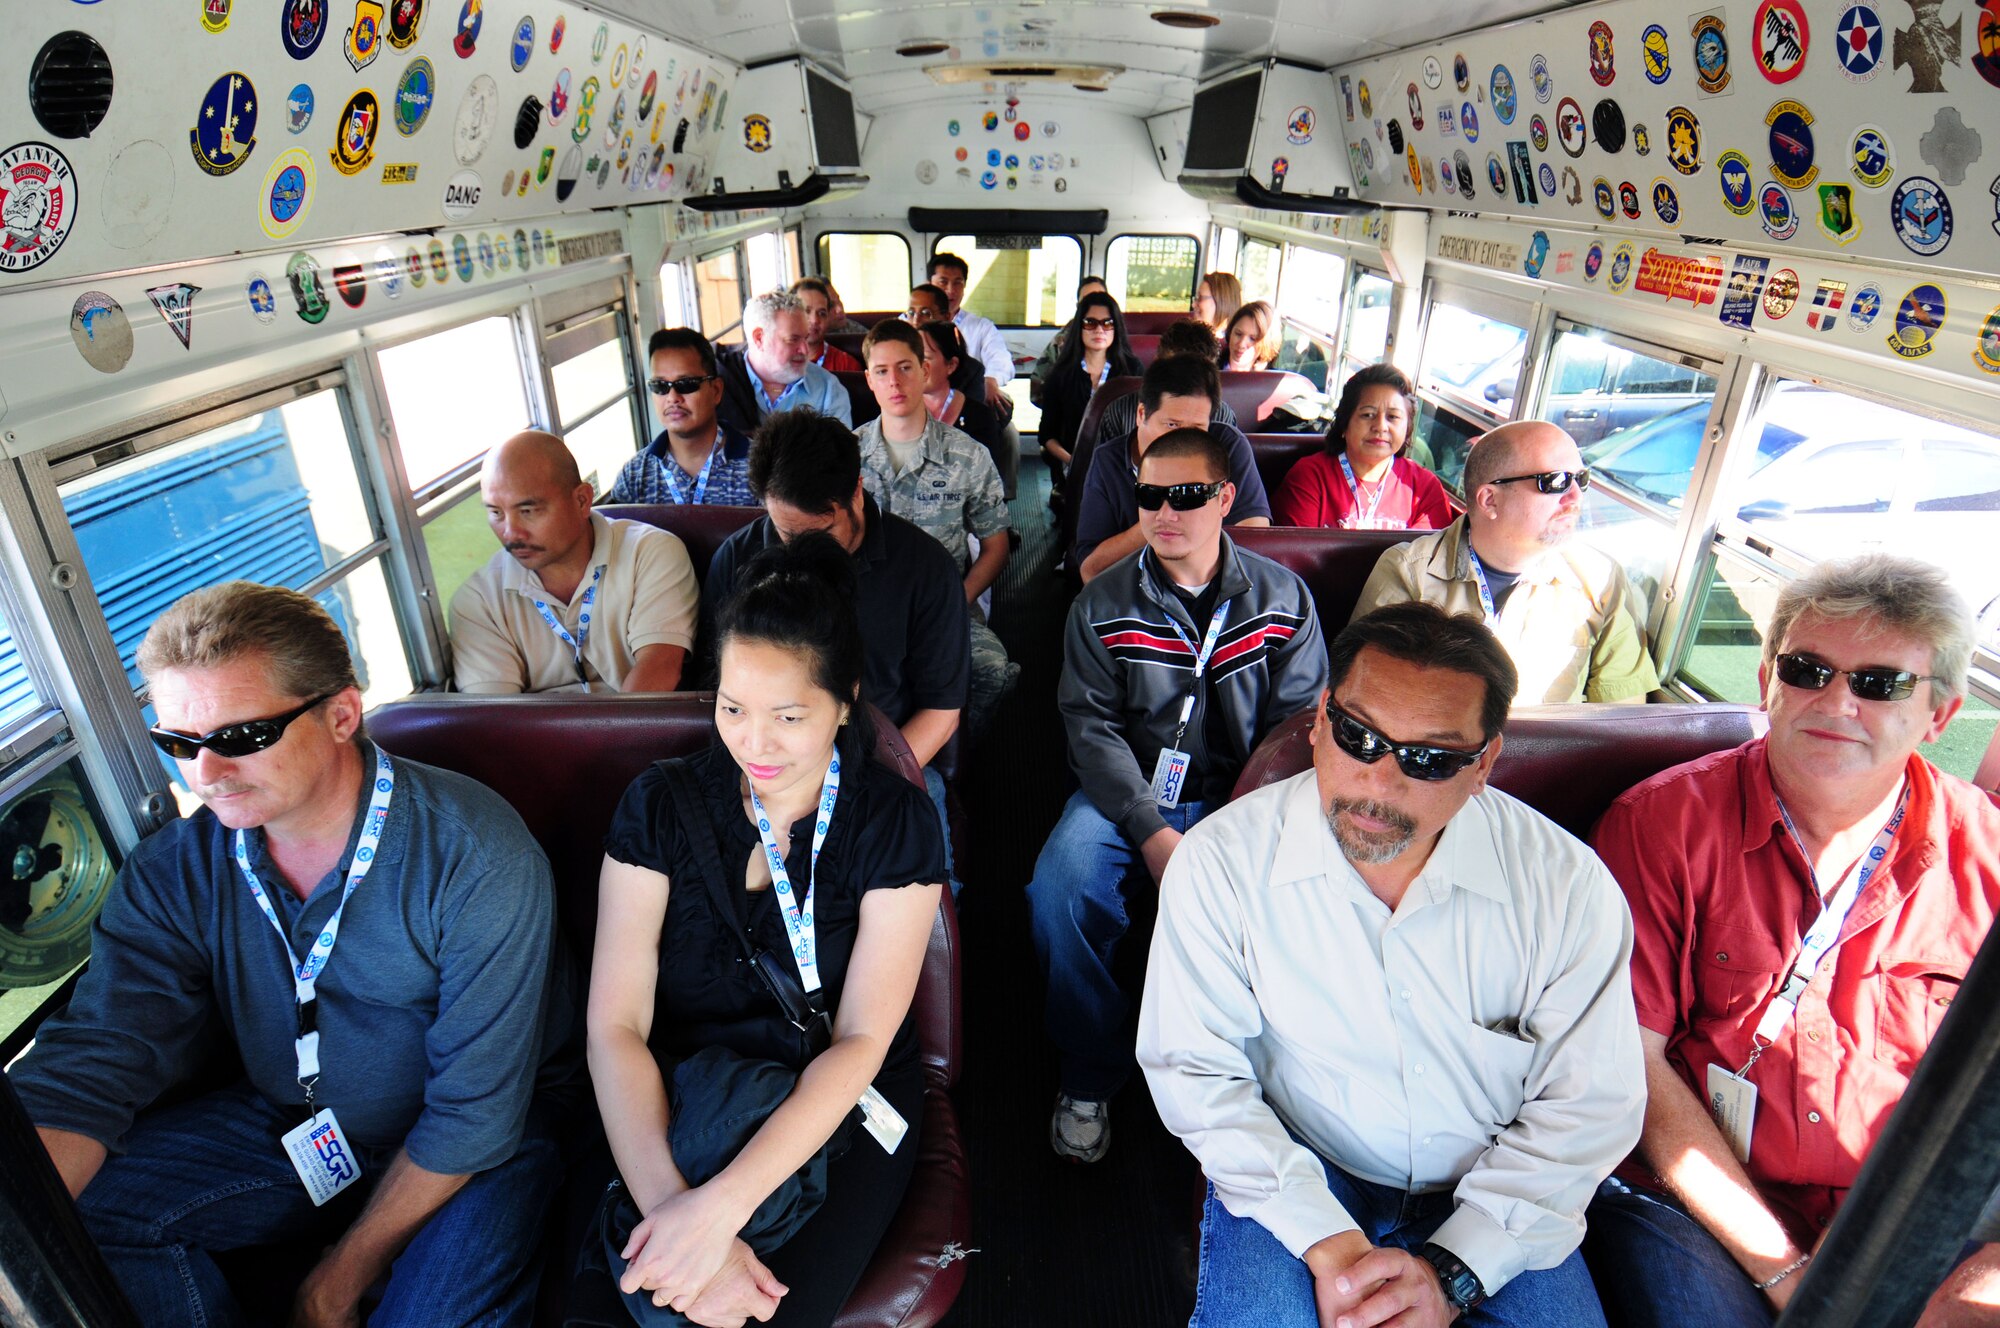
646,478
1722,896
1571,625
1315,492
1479,1038
647,596
445,1000
816,389
835,360
953,489
983,339
1110,504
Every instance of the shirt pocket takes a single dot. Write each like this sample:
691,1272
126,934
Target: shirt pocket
1917,992
1734,970
1500,1064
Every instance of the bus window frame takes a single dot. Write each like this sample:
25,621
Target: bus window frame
1195,271
822,270
1085,251
1513,310
734,249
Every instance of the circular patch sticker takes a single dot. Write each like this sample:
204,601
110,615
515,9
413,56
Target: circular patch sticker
1986,350
1547,177
1607,125
1395,136
557,30
225,127
559,97
1863,309
1658,56
1782,36
308,285
471,17
1539,78
461,257
405,18
1791,141
478,118
1538,133
1461,165
1775,212
1461,72
1918,319
440,264
288,193
1433,72
507,182
1628,199
262,298
1857,42
388,274
1593,261
1602,67
1642,140
102,333
302,23
1572,131
299,108
1505,96
1021,132
1604,198
524,44
1781,293
1873,159
354,138
527,120
1733,175
618,59
648,95
1447,178
586,109
414,269
415,92
1496,174
1298,126
1621,268
1711,54
1922,214
1683,140
1468,122
1367,101
1416,108
1666,203
1986,26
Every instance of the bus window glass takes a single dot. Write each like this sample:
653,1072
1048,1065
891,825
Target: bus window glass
871,269
1257,268
1222,258
602,445
457,541
1303,353
1638,420
674,295
1310,292
594,402
794,258
766,256
439,425
1151,273
1367,321
64,864
1440,438
17,689
719,297
1472,360
591,379
1029,283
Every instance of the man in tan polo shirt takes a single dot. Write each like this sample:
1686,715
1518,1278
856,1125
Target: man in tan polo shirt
574,601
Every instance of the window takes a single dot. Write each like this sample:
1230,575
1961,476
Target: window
1257,268
795,265
1311,289
1030,281
675,310
17,689
1302,353
1639,420
440,424
871,270
1368,307
1222,253
1447,436
594,409
766,255
1472,361
719,297
1152,273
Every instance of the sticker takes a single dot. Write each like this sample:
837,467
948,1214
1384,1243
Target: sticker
989,180
308,288
993,156
399,172
757,133
225,127
461,257
288,192
1447,177
1948,146
1791,140
1857,42
354,141
1922,214
927,172
1677,277
1468,122
478,118
364,38
1538,133
1986,350
990,121
215,15
1873,159
1620,275
1347,96
1050,129
557,31
1367,100
1653,49
1571,131
1593,260
1572,186
262,298
1447,122
1416,170
1739,297
559,97
535,242
1021,132
1775,212
1298,125
413,266
1605,198
567,172
1461,72
1711,54
1602,68
1733,175
1538,78
1782,39
1607,125
1987,58
1280,167
1538,253
618,61
1461,165
1496,174
1628,199
1642,140
1781,294
415,92
586,110
470,19
1522,170
352,283
1683,140
1431,175
1546,177
406,17
547,165
1504,96
1433,72
524,44
1396,136
1927,45
527,120
388,274
102,333
647,96
299,108
1824,315
1994,189
1416,108
1013,162
1918,319
440,265
1863,308
302,23
1837,217
638,63
1666,203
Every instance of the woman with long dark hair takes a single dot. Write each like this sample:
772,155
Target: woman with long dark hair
1362,481
947,403
1250,338
1099,351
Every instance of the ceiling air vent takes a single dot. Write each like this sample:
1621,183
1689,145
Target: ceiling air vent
1191,19
922,46
69,86
1096,75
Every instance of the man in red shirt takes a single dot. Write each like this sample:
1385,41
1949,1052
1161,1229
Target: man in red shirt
1805,907
817,297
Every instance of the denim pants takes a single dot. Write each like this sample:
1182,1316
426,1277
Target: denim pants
1078,914
1249,1280
1656,1265
934,785
209,1175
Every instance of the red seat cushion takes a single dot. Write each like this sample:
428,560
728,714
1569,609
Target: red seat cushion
1255,393
702,527
1277,453
1334,564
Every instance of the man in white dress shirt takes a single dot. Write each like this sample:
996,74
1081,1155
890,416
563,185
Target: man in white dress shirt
949,273
1388,1010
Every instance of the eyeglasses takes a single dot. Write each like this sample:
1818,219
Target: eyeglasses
1098,324
920,314
1553,481
1416,760
1180,497
231,740
687,387
1810,675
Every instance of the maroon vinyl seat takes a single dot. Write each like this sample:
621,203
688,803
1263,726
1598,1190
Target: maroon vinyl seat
847,341
1145,345
1334,564
870,317
702,527
860,398
563,762
1140,324
1255,393
1277,453
1085,446
1568,762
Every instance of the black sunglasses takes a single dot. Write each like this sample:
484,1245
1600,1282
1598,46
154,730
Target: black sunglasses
1180,497
1553,481
685,386
1810,675
242,739
1099,324
1415,760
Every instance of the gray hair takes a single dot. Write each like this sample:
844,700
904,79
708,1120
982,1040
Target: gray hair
763,310
1902,595
204,629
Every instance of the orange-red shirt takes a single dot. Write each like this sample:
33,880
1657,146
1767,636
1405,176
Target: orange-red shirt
1721,898
1316,493
835,360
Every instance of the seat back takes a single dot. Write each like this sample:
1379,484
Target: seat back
860,399
1152,324
1277,453
870,317
1255,393
1145,345
1568,762
1107,392
847,341
702,527
564,761
1334,564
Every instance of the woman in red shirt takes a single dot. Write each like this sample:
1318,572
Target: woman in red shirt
1361,482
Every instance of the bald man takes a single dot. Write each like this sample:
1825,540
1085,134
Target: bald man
1566,613
574,601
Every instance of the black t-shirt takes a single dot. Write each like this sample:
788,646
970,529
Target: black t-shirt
1501,584
884,835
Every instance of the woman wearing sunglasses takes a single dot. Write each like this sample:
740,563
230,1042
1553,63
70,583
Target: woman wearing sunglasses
1099,352
764,912
1362,481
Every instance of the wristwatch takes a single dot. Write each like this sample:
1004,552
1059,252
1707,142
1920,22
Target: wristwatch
1461,1285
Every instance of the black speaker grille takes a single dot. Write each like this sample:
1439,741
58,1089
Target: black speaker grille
70,85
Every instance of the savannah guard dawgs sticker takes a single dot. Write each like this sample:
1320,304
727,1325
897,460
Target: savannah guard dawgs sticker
354,142
38,201
1918,319
225,127
102,333
288,192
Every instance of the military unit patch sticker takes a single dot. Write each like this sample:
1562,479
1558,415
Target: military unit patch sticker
1738,184
1863,309
1683,140
364,38
1873,160
354,141
1659,59
1791,141
302,24
1918,320
1986,350
1922,214
288,193
225,127
1837,217
1857,42
308,285
1782,37
406,17
414,94
1775,211
1711,53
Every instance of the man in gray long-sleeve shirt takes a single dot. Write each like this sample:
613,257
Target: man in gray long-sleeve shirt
376,939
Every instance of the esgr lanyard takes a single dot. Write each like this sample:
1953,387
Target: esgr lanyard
797,912
1479,579
582,637
1368,514
1824,934
678,486
1201,659
305,975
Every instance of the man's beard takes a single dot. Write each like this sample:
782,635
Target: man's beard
1370,848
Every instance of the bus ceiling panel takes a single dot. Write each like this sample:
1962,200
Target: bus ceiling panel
1782,137
234,141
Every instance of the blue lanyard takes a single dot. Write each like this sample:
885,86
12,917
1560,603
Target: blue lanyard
1479,576
677,486
1201,658
797,912
1362,517
305,976
576,643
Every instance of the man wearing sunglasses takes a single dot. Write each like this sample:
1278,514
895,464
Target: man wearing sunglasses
1567,614
1806,906
1387,1010
772,370
1176,663
696,458
373,939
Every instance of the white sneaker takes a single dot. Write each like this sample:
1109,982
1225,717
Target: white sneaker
1080,1130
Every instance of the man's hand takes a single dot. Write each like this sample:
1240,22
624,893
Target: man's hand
744,1289
999,400
325,1301
1158,848
1356,1285
679,1248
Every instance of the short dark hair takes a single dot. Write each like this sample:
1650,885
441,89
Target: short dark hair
1188,336
1179,376
943,300
1092,280
943,259
891,329
946,337
1191,443
681,338
799,597
805,460
1425,635
1375,375
815,285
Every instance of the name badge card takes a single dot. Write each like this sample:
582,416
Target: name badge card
1169,773
1732,1100
882,1120
320,1154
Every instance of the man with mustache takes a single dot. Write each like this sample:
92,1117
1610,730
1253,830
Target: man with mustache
1387,1009
574,601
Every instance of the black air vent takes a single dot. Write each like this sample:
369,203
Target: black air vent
70,85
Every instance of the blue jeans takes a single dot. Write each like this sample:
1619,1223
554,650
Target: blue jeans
934,785
1249,1279
209,1175
1656,1265
1076,906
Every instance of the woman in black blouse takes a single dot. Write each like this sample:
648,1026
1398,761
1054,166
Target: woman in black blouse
1100,351
669,979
